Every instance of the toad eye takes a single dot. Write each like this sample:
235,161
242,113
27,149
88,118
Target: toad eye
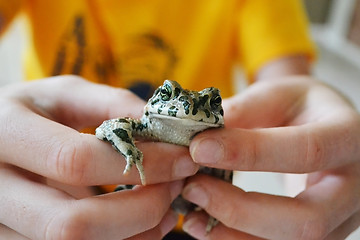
165,92
215,102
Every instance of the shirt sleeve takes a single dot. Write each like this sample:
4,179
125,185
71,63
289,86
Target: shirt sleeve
272,29
8,11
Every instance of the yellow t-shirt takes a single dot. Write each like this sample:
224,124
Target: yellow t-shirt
137,44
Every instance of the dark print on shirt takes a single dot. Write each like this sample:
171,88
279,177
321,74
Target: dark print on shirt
75,56
144,62
72,45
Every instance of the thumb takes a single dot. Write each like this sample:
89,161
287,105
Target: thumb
78,103
264,104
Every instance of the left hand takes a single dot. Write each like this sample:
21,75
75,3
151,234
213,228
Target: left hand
48,168
291,125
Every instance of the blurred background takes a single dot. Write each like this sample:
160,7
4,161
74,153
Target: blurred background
335,27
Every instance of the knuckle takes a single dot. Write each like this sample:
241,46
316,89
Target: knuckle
233,218
118,94
251,153
154,217
314,158
248,154
69,80
67,226
71,161
313,227
254,159
65,81
160,203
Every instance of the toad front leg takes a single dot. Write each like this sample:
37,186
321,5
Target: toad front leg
119,132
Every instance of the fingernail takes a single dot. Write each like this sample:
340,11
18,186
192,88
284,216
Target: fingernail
185,167
207,150
168,222
175,188
194,227
196,194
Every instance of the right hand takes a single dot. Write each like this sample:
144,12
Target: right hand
39,141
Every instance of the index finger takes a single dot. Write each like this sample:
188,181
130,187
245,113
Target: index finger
63,154
299,149
75,102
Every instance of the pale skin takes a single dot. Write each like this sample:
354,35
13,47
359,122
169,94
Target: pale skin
40,142
281,124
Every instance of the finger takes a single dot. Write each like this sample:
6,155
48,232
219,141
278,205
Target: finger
61,153
308,216
78,103
158,232
264,104
7,233
300,149
328,128
195,225
280,102
50,213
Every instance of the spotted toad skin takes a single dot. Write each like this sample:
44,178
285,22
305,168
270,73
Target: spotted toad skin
172,115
